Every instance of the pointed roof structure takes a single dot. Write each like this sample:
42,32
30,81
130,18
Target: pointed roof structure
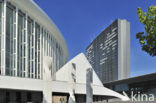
81,64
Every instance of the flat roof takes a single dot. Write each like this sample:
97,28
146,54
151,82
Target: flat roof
142,78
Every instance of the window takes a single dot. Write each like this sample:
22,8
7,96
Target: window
7,97
29,97
9,39
18,97
74,66
29,46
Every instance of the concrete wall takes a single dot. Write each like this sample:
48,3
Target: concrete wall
123,49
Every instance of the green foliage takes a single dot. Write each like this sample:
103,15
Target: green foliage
147,39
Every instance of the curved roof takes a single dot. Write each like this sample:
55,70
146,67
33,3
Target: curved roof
37,14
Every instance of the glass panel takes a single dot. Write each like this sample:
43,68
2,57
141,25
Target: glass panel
37,49
30,50
9,40
20,44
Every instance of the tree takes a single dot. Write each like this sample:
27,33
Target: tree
147,39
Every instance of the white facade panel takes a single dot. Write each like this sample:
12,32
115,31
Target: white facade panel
124,49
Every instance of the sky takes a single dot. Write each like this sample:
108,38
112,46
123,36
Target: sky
80,21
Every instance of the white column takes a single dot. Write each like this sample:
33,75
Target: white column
41,51
48,44
16,31
1,44
89,85
47,78
23,44
54,55
26,46
3,57
53,69
33,49
72,82
45,43
30,38
36,49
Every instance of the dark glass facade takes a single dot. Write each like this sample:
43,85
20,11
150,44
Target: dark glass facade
17,96
102,53
143,84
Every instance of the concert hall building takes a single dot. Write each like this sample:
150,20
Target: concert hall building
34,64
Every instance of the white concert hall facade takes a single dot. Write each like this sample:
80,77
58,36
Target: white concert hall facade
34,56
27,34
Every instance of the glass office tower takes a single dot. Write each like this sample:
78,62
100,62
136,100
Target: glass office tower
109,53
25,40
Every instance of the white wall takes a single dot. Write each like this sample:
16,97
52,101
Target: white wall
123,49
